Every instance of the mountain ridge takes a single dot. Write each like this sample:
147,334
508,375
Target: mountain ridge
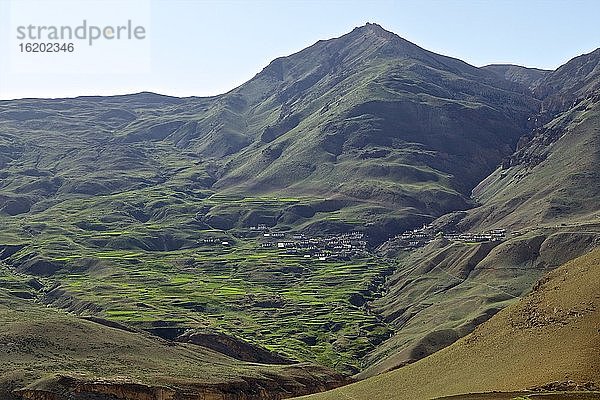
530,77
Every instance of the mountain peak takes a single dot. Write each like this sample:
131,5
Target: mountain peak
371,28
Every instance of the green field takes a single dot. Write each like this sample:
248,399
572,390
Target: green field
154,274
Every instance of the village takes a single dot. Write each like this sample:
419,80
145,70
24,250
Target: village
420,237
342,247
347,246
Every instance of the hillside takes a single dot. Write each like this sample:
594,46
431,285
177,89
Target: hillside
373,91
548,337
544,181
545,195
441,292
46,350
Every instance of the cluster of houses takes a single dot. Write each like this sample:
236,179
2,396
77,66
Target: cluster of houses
347,246
332,247
344,246
420,237
259,227
495,235
211,241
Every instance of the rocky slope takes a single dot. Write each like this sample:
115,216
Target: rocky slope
552,177
529,77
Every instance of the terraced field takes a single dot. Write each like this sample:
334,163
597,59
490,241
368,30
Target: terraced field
157,277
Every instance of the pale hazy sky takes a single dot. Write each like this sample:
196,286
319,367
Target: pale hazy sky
201,47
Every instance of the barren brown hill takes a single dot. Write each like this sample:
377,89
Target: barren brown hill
550,338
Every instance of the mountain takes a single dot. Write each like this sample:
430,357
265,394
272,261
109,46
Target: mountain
373,89
529,77
548,339
396,135
372,120
552,177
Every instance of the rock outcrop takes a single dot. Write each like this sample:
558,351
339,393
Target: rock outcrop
63,387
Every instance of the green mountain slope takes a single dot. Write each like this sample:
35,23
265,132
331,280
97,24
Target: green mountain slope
388,128
123,230
553,179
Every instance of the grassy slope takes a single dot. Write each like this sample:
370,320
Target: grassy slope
574,395
549,335
115,229
218,288
39,343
